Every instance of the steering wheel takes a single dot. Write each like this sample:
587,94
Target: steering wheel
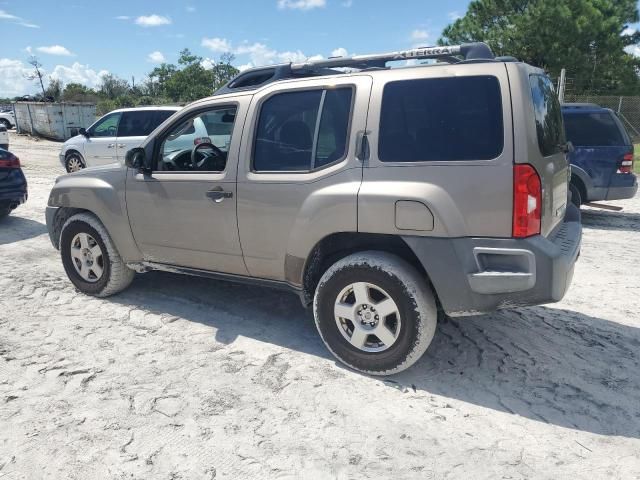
195,164
112,130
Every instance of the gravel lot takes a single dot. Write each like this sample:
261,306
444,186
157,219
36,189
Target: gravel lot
183,377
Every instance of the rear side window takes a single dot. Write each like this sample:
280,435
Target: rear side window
548,115
137,124
441,119
593,130
161,116
302,131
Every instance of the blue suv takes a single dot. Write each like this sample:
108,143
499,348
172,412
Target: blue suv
602,159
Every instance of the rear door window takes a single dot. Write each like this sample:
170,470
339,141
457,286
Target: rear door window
302,131
548,115
441,119
593,130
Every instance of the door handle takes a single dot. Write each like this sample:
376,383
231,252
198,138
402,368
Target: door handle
121,145
111,145
218,195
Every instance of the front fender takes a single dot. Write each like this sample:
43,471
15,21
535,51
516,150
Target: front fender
101,192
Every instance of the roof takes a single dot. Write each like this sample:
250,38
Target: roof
255,78
582,107
148,107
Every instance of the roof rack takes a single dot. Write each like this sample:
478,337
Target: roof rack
470,51
257,77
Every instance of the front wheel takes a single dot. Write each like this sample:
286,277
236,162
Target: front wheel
90,258
5,123
74,162
375,312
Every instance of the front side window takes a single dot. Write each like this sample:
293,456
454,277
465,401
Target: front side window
302,131
593,130
106,126
137,124
548,115
441,119
200,143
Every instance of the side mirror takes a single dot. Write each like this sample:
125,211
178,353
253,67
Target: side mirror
570,147
135,158
83,131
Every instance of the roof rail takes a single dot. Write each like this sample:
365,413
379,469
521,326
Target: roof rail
257,77
470,51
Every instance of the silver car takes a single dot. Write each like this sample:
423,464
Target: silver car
385,198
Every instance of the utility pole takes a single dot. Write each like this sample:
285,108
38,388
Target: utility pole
562,84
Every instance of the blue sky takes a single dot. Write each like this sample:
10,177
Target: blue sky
79,41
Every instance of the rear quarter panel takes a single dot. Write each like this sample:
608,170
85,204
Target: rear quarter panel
466,198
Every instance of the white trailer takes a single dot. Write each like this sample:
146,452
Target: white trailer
57,121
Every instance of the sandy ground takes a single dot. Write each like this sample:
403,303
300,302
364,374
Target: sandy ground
183,377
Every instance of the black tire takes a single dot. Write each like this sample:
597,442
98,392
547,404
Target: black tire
72,161
115,277
5,123
412,295
576,197
4,212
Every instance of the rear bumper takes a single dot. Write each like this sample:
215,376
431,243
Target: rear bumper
622,185
480,275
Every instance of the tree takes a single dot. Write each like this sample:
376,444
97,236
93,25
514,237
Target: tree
54,90
76,92
37,72
587,37
113,87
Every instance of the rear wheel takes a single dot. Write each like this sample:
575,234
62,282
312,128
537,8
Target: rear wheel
4,211
375,312
4,122
90,258
74,162
576,197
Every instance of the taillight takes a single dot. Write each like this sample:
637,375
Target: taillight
626,166
527,201
11,162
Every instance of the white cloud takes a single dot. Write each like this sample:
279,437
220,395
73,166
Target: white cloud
4,15
418,35
156,57
7,16
629,31
301,4
217,44
123,17
340,52
55,50
190,9
13,73
78,73
152,20
633,50
347,3
13,81
453,16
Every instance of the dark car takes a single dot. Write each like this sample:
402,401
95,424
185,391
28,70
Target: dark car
13,184
602,160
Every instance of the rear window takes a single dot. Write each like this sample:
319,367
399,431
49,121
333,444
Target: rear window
593,130
441,119
548,115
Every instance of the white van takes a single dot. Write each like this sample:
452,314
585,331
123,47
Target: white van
108,139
